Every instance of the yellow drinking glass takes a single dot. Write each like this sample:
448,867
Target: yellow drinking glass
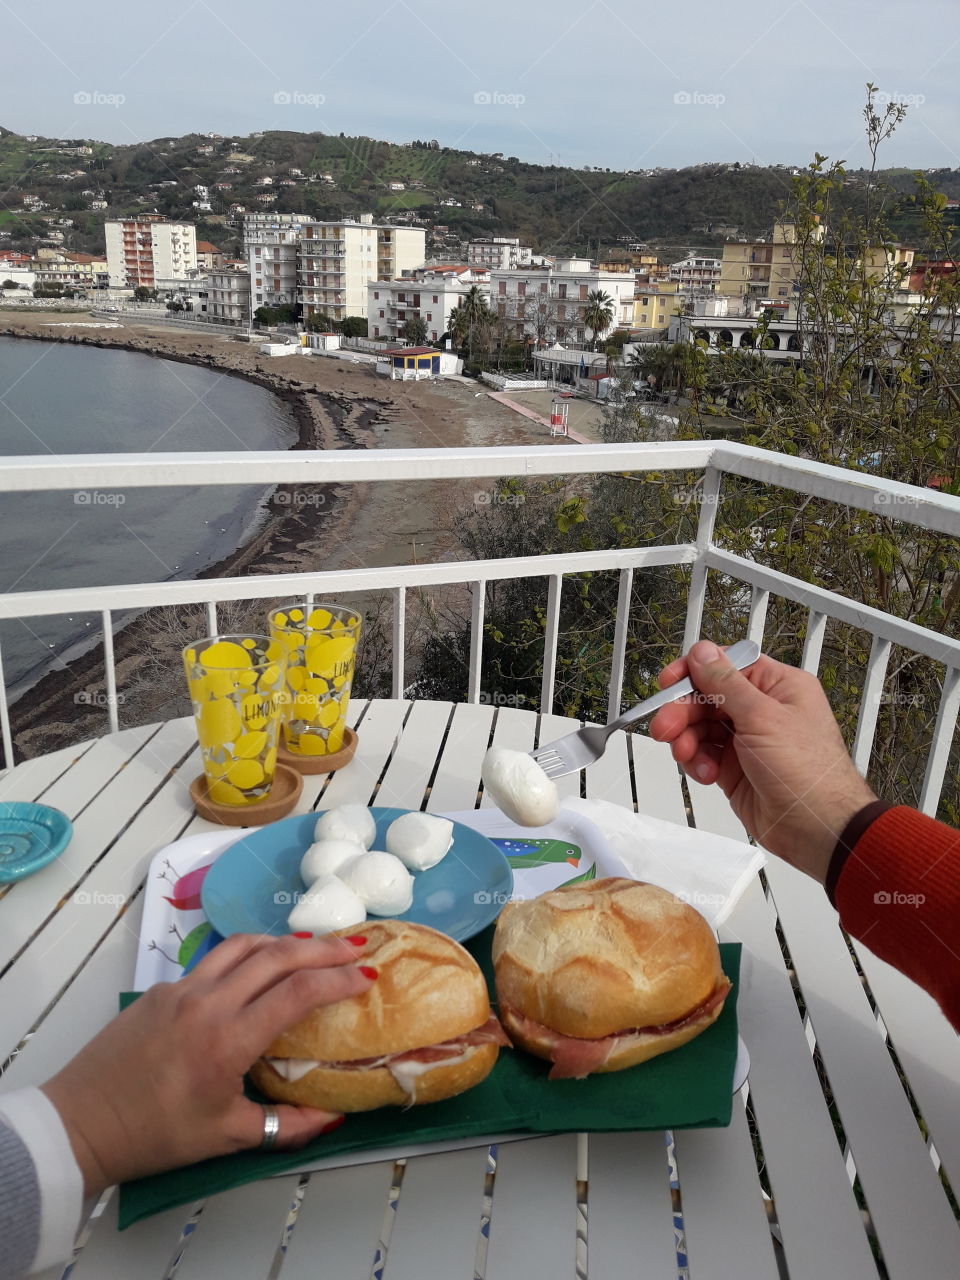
320,645
237,689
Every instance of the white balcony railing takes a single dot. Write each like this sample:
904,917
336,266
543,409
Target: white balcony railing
927,509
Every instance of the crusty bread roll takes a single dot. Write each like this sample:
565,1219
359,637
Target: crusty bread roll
610,960
379,1048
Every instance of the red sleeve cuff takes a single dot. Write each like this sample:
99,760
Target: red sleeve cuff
898,892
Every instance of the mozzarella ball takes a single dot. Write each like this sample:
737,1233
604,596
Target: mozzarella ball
327,905
327,857
519,787
419,840
381,882
347,822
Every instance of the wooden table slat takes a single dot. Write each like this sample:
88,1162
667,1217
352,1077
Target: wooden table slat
339,1224
239,1232
457,782
795,1125
630,1211
404,784
533,1222
446,1191
723,1214
928,1049
914,1222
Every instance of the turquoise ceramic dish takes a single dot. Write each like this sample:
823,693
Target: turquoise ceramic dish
31,835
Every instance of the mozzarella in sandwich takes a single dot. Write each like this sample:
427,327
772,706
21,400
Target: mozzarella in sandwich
419,840
519,787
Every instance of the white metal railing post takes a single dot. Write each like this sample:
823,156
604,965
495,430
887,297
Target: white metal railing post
942,740
6,736
111,671
477,604
399,640
759,600
709,500
550,641
813,641
618,662
870,703
211,611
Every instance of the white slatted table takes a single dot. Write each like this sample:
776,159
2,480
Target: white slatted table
772,1195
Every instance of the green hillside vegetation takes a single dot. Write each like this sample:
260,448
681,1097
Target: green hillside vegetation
555,209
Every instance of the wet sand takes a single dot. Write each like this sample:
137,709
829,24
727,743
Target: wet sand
337,406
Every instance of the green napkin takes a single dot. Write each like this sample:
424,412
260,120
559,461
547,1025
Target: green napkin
689,1088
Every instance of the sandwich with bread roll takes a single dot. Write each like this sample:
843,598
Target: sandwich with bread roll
604,974
422,1032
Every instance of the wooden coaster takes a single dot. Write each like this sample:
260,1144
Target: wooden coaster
321,764
281,800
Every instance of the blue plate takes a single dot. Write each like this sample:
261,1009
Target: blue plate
31,835
251,887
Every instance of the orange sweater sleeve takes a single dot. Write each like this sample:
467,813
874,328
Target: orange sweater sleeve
898,892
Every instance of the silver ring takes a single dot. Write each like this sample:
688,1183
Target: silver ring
271,1128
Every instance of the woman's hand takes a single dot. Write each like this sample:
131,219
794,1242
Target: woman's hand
161,1085
768,736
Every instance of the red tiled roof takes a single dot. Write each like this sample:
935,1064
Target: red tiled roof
412,351
204,246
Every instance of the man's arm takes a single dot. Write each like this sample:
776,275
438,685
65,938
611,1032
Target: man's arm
896,884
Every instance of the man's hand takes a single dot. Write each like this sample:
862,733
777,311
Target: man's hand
161,1085
768,736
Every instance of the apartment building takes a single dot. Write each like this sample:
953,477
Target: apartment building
339,259
759,268
72,270
654,304
696,273
228,294
324,266
432,293
145,249
499,253
548,304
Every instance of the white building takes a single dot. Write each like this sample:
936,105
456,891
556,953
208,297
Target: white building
431,293
339,259
499,253
272,263
324,266
696,273
228,294
548,304
142,250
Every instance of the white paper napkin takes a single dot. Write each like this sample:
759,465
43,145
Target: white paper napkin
710,872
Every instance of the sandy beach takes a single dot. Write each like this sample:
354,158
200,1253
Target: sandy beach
336,406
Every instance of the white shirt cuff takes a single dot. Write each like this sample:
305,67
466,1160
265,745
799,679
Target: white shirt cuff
37,1122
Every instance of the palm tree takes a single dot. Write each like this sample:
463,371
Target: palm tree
470,320
598,314
415,330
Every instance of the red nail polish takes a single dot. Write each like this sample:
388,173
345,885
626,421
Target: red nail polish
303,935
368,971
357,941
334,1124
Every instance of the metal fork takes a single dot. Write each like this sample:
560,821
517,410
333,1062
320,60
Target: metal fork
582,747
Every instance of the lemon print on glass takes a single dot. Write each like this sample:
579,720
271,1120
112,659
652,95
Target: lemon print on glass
237,688
321,647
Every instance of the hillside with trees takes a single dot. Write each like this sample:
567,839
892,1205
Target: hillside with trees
557,210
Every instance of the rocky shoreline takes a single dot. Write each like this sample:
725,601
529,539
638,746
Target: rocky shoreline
297,520
336,405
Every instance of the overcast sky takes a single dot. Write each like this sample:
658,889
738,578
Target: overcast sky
617,83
